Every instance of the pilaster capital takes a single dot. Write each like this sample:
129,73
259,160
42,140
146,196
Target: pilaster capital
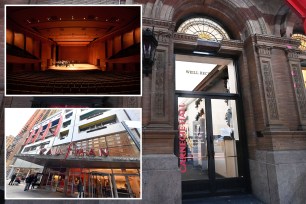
264,50
292,53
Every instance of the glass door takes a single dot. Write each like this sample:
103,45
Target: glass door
194,161
208,144
100,185
225,138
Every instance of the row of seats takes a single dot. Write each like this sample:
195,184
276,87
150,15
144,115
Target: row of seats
82,83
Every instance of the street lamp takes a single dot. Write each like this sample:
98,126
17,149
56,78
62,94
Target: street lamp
149,44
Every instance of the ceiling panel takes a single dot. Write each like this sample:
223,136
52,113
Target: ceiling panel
73,23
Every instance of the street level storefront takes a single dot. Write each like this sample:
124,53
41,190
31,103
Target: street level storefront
103,172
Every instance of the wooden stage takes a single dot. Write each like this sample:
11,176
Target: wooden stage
75,67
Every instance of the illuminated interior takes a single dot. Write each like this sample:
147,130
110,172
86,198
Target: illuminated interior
73,49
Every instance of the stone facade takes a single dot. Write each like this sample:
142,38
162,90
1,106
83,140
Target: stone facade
273,95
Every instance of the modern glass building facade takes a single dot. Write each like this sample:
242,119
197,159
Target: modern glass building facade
101,147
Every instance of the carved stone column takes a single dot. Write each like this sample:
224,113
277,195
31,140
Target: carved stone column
272,119
298,85
158,132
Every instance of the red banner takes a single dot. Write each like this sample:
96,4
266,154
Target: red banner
46,131
30,137
37,134
59,125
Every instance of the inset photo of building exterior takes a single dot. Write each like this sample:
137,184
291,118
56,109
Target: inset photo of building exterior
75,153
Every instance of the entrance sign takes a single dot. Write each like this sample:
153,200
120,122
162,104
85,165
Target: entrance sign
72,149
182,137
191,73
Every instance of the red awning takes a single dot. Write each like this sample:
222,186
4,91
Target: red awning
81,162
299,7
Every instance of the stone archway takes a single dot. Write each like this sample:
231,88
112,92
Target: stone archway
250,18
287,22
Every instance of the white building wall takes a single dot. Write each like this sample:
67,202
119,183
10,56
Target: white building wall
74,132
111,129
67,139
51,139
37,150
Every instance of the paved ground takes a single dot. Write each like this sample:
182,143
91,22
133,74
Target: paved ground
17,192
234,199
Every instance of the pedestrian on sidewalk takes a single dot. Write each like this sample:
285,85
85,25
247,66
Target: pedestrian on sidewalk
35,179
80,189
12,179
29,180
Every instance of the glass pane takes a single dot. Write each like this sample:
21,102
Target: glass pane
122,187
226,137
205,29
192,143
304,74
135,186
200,73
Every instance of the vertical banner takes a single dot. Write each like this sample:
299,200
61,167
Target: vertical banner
182,137
30,136
46,131
58,126
37,134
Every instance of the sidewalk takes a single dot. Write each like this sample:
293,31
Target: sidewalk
233,199
17,192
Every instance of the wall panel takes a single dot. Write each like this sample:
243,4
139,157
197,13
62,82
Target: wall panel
77,54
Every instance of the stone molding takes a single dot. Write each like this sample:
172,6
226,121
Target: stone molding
232,43
298,85
158,85
293,54
273,121
168,25
264,51
276,42
131,102
163,37
280,141
185,37
269,90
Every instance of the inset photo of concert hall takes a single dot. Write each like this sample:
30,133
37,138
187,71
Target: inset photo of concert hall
73,50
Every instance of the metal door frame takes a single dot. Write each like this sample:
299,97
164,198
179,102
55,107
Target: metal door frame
213,186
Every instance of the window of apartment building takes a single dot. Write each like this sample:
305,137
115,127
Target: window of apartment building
43,145
55,122
42,132
66,124
99,124
26,149
91,114
64,134
119,144
68,115
50,132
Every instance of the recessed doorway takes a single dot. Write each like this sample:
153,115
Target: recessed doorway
210,145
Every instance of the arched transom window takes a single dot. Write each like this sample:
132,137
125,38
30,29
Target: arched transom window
302,39
205,29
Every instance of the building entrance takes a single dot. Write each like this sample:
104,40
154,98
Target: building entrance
209,144
97,183
100,185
